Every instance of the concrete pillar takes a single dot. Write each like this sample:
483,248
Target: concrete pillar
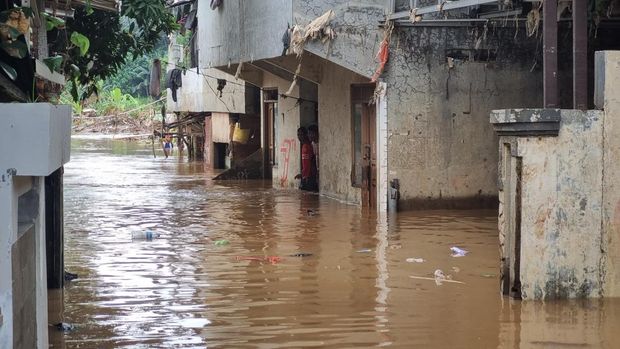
607,97
54,229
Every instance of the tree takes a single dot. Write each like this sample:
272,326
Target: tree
113,39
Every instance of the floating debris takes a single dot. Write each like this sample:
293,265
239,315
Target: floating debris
301,254
222,242
458,252
64,327
144,235
439,278
70,276
364,250
415,260
271,259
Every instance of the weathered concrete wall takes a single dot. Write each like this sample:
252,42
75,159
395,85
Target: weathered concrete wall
28,293
242,30
441,146
286,123
220,128
561,209
335,132
198,93
608,98
357,31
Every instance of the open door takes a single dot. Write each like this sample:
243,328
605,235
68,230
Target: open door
270,109
364,174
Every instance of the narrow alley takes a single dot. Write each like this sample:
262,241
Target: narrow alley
342,279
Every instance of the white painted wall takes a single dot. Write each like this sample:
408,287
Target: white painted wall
35,138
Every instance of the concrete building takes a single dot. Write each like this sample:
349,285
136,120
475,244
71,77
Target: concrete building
421,121
36,139
217,113
559,213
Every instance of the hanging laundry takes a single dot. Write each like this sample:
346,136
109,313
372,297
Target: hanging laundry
174,82
286,40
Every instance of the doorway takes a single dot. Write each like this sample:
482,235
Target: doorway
270,110
219,155
364,126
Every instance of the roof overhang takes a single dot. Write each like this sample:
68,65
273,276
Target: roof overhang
105,5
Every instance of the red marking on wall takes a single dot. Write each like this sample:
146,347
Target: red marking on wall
285,149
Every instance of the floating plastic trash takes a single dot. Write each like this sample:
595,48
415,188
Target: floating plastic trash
439,278
458,252
64,327
365,250
222,242
301,254
70,276
144,235
415,260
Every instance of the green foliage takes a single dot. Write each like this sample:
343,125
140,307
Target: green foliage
108,102
52,22
81,42
53,63
113,39
134,75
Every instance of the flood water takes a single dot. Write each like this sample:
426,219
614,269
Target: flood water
188,288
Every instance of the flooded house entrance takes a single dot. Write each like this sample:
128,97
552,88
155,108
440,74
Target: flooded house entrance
270,111
364,123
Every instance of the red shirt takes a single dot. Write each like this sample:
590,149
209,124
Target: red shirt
307,157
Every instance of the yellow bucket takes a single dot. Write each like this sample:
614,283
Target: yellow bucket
241,135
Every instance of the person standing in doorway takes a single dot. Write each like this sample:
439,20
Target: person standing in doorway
313,135
168,145
308,168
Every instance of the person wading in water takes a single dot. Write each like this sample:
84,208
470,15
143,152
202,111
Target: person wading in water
308,164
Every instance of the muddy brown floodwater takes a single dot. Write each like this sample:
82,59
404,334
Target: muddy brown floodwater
188,289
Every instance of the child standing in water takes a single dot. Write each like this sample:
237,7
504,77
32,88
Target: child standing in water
168,145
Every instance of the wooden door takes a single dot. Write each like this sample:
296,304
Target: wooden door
369,156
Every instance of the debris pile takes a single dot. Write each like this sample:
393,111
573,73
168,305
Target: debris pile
318,29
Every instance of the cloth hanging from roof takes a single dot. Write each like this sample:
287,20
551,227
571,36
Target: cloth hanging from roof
384,51
318,29
286,40
155,78
174,82
190,20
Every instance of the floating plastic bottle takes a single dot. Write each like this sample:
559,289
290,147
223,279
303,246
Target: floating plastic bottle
144,235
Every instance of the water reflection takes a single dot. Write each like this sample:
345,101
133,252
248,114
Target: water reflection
354,291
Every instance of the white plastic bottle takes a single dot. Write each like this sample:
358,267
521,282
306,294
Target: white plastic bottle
143,235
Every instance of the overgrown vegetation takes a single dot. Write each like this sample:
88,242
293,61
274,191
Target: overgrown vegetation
113,40
134,76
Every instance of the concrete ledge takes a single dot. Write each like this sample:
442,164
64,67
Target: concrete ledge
526,122
36,138
455,203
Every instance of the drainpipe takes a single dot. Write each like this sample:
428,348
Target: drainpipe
550,54
580,55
